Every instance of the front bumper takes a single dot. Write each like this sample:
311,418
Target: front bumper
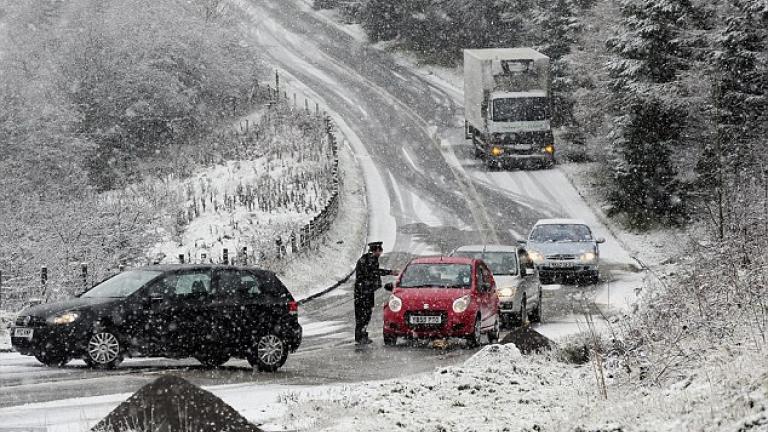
453,325
575,270
66,340
522,159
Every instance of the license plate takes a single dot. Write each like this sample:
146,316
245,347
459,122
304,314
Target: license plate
23,333
522,146
561,264
426,319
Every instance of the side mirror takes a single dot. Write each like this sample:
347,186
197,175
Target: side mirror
34,301
389,286
600,240
522,242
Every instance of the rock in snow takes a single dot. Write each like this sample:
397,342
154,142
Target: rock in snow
172,404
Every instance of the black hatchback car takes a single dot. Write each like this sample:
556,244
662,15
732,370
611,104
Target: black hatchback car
208,312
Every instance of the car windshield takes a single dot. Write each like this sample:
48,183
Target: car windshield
520,109
437,275
501,263
122,284
561,233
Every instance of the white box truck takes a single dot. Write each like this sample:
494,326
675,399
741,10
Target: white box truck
507,106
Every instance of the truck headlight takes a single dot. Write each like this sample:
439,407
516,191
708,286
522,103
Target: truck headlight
497,151
395,304
460,305
507,292
64,318
536,257
588,257
549,148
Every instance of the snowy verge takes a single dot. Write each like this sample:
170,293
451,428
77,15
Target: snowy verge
652,247
321,267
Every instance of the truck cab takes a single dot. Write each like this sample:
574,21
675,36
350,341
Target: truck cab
507,106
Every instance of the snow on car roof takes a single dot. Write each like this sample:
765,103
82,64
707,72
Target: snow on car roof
560,222
487,248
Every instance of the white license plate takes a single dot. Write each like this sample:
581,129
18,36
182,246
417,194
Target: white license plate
561,264
522,146
426,319
23,332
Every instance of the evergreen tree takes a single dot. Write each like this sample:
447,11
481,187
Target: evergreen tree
651,51
739,102
383,19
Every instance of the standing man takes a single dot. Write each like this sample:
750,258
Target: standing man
367,281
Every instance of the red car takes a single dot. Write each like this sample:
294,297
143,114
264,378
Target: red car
440,297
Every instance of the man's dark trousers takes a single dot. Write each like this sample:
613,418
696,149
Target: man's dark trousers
363,310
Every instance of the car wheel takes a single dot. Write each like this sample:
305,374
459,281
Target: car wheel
212,359
522,316
103,350
493,336
390,340
535,316
52,360
473,340
269,353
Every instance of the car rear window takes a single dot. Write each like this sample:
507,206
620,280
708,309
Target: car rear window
437,275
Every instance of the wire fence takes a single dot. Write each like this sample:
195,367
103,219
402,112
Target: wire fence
18,287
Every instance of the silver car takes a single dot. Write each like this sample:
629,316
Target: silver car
519,288
564,249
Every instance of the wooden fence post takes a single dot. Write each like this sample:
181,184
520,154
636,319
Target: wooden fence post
225,256
43,279
84,274
181,258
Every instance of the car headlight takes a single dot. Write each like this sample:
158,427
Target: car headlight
536,257
64,318
588,257
395,304
460,305
507,292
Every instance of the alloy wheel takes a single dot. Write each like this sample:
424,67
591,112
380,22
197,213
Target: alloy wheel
103,348
270,350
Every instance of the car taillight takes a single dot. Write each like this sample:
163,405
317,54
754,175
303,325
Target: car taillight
293,307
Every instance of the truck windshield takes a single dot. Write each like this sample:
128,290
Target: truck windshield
520,109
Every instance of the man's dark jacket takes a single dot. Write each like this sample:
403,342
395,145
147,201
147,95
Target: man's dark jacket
368,277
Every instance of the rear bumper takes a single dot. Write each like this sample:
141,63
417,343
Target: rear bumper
293,337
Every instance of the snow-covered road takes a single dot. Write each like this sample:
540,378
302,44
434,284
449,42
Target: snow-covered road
426,194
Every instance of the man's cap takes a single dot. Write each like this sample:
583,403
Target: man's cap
375,245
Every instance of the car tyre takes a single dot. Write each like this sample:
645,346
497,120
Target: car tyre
212,359
474,339
493,336
269,353
535,316
52,360
522,316
103,350
390,340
